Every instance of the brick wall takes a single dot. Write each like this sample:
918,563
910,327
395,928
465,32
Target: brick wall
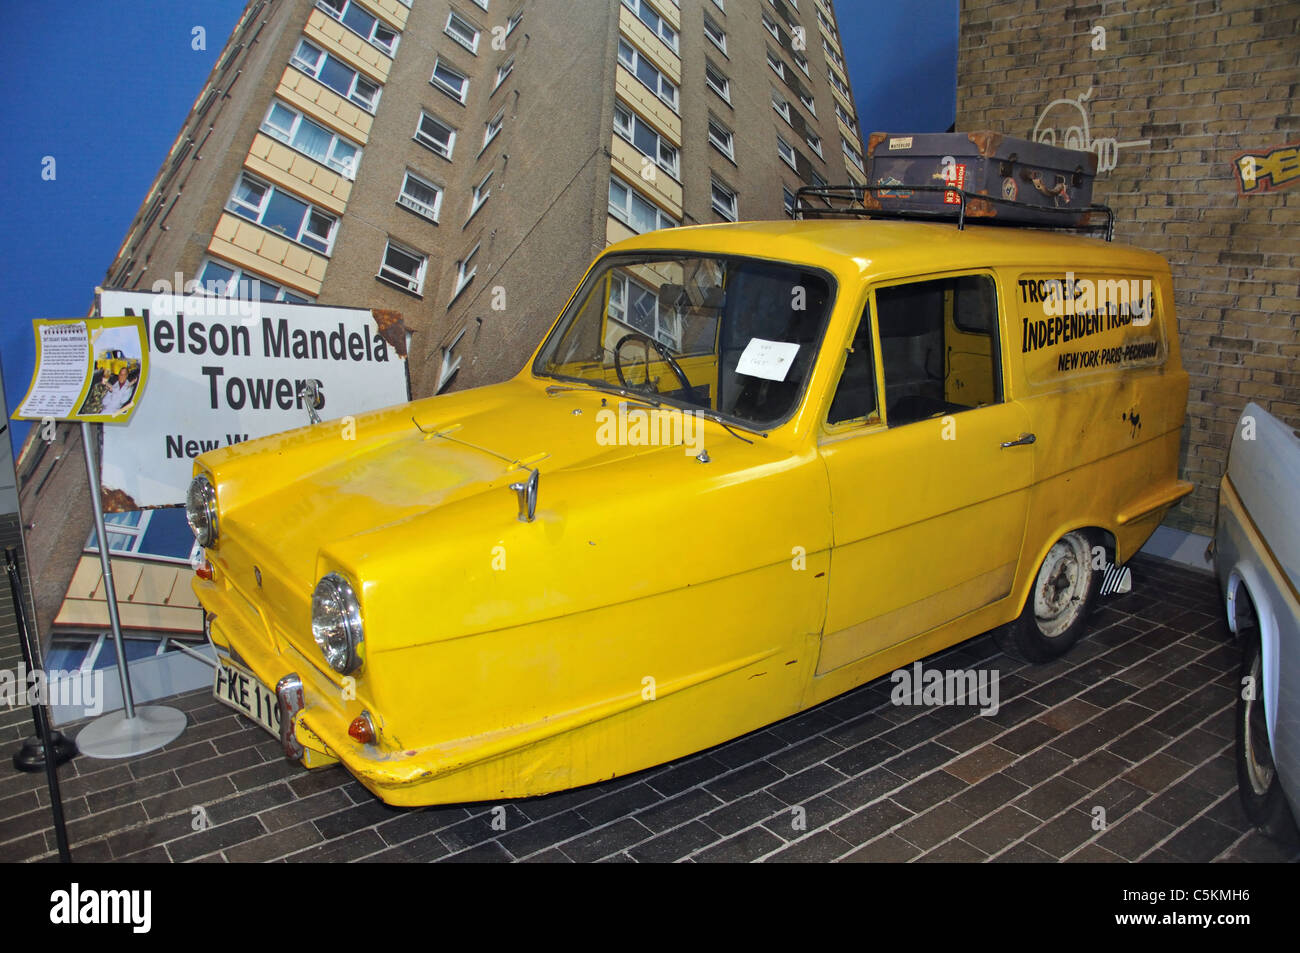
1204,82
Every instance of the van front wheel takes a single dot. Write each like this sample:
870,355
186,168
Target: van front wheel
1057,609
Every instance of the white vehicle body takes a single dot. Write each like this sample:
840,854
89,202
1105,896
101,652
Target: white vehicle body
1257,558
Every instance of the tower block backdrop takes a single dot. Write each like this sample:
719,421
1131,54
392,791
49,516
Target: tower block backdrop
461,163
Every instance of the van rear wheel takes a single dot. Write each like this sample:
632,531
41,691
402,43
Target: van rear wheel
1057,609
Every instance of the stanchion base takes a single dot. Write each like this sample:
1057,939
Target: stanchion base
31,756
116,736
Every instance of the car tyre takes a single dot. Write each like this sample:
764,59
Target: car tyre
1058,606
1257,781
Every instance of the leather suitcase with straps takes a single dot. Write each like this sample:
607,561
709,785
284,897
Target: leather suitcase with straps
1031,182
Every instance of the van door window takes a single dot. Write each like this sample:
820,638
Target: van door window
938,344
855,395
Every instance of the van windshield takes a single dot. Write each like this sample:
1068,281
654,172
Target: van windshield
736,336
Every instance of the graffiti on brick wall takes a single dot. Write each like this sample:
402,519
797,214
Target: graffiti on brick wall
1260,172
1065,122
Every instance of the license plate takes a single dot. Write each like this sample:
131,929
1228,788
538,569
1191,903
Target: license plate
242,691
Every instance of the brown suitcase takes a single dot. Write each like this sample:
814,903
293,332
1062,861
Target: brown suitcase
1030,183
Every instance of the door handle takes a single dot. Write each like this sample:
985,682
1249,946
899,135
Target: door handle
1023,440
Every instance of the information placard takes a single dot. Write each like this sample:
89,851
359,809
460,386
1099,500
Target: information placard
87,369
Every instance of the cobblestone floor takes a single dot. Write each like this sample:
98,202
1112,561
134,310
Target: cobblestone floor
1136,720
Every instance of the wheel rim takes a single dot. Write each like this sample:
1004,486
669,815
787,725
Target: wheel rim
1257,755
1062,585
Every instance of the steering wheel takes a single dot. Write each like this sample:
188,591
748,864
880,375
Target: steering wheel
662,351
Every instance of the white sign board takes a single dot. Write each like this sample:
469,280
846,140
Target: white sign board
226,370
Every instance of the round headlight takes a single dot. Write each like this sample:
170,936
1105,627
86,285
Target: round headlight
201,510
336,623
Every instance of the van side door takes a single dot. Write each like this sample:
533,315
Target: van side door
930,467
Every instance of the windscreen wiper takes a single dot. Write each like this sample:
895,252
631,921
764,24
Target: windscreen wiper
729,428
553,389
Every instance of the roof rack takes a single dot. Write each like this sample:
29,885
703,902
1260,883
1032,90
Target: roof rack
839,200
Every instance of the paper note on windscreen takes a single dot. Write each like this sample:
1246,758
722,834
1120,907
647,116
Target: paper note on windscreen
769,360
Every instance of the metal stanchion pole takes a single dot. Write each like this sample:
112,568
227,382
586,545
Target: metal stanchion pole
55,749
110,591
134,730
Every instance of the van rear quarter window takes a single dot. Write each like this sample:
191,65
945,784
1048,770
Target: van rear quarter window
1072,324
